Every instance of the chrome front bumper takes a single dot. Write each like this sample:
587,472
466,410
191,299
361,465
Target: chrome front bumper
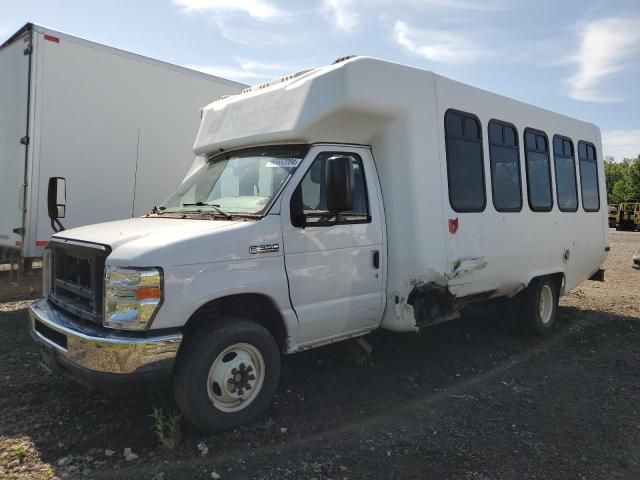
92,349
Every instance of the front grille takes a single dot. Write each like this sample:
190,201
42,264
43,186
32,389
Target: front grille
77,279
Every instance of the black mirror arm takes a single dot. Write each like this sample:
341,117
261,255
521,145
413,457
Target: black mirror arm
336,216
56,225
298,218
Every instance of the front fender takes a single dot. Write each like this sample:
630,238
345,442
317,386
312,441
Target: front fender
189,287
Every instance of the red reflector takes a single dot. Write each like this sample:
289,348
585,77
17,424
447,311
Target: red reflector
18,243
51,38
453,225
41,243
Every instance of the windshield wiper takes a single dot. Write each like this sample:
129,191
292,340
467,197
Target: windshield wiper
157,210
217,208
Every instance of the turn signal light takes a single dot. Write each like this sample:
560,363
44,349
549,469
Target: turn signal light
145,293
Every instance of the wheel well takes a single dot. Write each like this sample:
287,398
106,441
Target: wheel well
253,306
558,279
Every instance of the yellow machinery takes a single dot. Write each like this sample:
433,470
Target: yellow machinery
628,216
613,216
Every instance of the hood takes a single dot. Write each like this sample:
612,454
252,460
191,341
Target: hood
157,241
155,231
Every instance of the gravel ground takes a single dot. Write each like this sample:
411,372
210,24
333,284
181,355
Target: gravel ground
474,400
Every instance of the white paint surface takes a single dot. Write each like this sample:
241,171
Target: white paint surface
393,116
102,118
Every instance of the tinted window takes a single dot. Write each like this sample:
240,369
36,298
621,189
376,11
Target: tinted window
565,165
589,177
538,171
313,196
465,168
505,167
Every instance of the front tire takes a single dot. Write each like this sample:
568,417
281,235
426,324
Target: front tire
226,374
538,306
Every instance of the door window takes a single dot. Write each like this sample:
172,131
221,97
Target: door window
314,201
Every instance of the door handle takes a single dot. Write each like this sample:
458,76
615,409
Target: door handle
376,259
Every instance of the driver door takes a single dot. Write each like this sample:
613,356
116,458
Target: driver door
335,267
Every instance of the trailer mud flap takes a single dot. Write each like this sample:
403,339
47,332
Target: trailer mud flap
598,276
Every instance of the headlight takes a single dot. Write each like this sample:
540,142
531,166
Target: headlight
131,297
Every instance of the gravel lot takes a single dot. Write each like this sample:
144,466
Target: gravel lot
475,400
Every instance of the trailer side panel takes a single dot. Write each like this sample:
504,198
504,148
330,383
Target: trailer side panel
119,128
14,81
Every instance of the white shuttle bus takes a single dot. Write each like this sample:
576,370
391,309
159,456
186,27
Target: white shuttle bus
324,205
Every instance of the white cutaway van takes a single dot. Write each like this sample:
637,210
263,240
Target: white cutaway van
322,206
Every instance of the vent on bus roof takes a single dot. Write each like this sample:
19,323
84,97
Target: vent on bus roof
342,59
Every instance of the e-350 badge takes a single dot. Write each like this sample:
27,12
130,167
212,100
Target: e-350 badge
268,248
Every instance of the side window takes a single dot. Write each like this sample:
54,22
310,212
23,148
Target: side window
506,183
313,196
465,168
589,177
538,166
565,164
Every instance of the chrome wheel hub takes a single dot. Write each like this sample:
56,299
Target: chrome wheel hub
235,377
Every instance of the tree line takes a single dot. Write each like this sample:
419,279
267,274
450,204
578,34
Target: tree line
623,180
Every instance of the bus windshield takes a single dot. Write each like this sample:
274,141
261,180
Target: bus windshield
243,182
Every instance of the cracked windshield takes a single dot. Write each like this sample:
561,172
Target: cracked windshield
236,183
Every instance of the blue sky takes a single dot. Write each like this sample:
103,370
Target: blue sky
581,58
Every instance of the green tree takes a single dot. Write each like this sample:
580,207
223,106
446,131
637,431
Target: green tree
621,191
633,177
623,180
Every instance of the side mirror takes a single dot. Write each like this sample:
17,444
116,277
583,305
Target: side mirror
57,197
298,218
339,182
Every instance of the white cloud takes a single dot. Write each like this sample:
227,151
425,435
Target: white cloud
464,4
621,144
251,36
343,13
436,45
258,9
605,46
347,15
247,71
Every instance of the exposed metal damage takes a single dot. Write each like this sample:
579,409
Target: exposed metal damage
432,303
464,266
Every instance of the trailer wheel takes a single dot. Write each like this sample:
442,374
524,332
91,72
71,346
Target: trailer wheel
538,306
226,374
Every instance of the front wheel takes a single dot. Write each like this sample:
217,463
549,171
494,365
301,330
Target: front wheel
226,374
538,305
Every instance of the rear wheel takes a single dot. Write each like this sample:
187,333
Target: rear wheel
538,305
226,374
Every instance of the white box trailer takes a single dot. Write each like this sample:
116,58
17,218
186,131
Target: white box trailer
322,206
118,127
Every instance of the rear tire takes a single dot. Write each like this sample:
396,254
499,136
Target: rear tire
226,374
538,306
